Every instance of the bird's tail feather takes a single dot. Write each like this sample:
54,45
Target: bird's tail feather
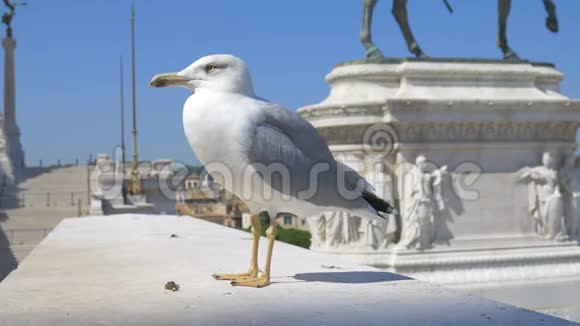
378,204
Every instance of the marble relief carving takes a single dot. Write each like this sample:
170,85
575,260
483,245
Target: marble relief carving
424,199
550,197
423,196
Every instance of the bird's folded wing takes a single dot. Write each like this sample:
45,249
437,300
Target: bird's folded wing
282,137
301,133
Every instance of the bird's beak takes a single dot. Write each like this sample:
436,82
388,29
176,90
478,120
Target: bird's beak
169,79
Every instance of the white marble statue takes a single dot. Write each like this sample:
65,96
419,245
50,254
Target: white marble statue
105,183
348,232
380,234
424,204
104,163
334,229
567,173
546,193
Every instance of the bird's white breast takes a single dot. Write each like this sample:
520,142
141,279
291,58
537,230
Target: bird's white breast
218,126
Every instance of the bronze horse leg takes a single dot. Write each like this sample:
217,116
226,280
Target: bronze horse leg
365,34
552,19
504,12
399,11
504,7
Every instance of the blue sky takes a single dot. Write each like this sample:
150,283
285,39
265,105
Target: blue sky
67,58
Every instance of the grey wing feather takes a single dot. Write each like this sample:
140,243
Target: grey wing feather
284,137
305,137
353,178
302,134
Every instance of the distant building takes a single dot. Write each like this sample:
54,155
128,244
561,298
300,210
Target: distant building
201,199
290,221
192,182
235,213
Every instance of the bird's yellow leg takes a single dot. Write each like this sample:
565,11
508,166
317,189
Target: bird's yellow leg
264,280
253,270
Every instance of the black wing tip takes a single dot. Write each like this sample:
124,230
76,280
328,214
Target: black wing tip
384,217
378,203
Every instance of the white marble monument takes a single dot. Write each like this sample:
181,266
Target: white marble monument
458,146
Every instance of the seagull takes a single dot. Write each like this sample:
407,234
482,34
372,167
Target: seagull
269,157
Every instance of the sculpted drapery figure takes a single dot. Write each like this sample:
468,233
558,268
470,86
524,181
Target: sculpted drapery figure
399,11
546,198
341,229
336,229
333,229
380,234
567,172
424,203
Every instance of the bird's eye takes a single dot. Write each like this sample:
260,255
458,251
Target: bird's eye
210,67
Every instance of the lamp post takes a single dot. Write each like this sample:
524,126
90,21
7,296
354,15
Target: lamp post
121,170
122,108
135,186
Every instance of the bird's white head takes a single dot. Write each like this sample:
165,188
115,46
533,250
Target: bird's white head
220,72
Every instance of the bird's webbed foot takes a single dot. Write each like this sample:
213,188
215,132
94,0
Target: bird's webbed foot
251,274
253,270
257,282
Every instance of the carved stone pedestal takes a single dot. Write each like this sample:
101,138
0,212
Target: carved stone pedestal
477,155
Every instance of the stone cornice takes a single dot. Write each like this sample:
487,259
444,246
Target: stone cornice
456,132
371,84
446,71
401,110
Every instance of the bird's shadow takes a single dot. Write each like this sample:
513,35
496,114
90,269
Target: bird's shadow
351,277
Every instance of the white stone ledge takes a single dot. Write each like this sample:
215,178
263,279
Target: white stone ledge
112,270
